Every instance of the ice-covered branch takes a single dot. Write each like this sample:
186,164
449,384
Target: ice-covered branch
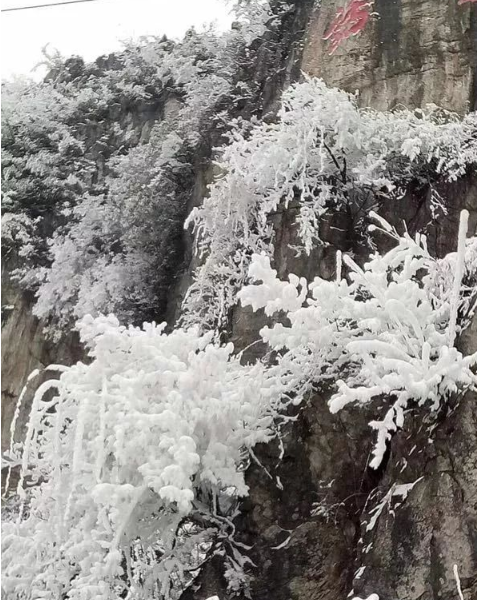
154,426
322,153
385,333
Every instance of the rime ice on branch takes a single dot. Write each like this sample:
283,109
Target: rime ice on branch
385,333
322,153
152,432
140,447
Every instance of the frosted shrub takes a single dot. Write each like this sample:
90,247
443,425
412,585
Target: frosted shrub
118,249
43,163
138,457
18,229
154,429
384,335
322,153
105,237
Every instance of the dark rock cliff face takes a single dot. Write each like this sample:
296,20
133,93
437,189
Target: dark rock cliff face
410,553
25,348
301,553
412,52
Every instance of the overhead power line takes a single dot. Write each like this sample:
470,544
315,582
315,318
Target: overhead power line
46,5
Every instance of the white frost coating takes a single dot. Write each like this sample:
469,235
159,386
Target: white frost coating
16,414
57,368
31,436
146,434
400,490
459,272
158,427
457,581
359,572
102,428
382,335
144,182
372,597
339,265
300,159
274,294
13,424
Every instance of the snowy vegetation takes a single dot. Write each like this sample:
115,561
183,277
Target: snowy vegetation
384,334
155,428
94,200
134,461
138,459
324,153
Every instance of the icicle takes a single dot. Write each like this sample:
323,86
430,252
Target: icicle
384,224
58,368
58,480
322,149
102,426
339,263
40,392
457,581
459,272
13,424
77,452
426,352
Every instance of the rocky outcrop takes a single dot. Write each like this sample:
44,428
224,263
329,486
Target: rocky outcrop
26,348
411,53
416,547
308,513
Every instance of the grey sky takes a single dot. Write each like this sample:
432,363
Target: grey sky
95,28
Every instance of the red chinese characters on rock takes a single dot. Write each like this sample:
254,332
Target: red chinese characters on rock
350,20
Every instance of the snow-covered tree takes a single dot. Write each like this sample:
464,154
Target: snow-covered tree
385,334
120,247
322,153
105,202
138,461
43,162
